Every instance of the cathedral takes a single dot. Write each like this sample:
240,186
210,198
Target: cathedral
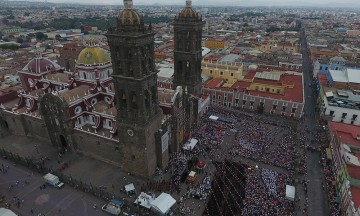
107,107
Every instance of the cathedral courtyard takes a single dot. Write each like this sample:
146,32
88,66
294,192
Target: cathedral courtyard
243,161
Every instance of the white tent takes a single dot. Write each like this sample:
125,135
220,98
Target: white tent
6,212
144,200
189,145
290,192
163,203
349,158
212,117
130,188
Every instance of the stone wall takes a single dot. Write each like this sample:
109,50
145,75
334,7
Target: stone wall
14,123
36,128
97,147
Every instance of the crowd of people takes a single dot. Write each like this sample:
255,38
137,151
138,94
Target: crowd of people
265,194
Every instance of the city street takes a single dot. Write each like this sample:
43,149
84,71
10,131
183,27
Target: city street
316,195
48,201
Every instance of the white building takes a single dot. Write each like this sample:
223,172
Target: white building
341,105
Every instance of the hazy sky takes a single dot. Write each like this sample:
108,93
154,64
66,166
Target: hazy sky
329,3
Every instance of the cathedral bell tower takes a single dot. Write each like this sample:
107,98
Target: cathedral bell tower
187,51
187,61
135,80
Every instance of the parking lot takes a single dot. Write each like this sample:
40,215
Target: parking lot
49,201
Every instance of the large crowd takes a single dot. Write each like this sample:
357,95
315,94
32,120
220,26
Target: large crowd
265,194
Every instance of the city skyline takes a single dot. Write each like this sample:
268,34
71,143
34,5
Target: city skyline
287,3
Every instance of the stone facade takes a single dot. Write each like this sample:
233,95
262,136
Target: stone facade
135,81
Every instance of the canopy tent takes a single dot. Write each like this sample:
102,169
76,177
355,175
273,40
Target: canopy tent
212,117
163,203
352,159
130,188
6,212
346,147
117,202
200,164
144,200
189,145
290,192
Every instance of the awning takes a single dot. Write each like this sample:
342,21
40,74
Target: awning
117,202
189,145
290,192
6,212
346,147
129,187
351,159
200,164
192,174
328,153
212,117
163,203
144,200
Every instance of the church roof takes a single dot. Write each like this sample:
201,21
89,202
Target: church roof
188,11
129,16
40,65
93,55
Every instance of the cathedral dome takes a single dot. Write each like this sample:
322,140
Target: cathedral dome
40,65
128,16
93,55
188,11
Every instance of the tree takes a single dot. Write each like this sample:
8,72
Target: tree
57,37
27,14
19,40
31,35
9,46
40,36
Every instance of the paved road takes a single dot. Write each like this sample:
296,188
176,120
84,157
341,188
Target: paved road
46,201
318,204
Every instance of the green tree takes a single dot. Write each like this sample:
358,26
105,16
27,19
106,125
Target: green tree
27,14
19,40
40,36
9,46
57,37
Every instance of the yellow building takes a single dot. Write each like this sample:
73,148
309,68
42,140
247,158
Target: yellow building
272,45
215,44
230,71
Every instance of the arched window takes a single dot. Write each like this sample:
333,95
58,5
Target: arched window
147,99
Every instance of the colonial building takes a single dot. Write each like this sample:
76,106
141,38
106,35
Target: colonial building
230,71
108,107
344,149
277,92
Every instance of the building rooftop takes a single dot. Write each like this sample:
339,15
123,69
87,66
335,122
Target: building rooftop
342,98
355,192
346,133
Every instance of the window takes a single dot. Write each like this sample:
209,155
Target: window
251,103
221,73
92,119
336,68
293,110
274,107
326,68
284,108
219,97
354,117
232,74
78,110
344,115
210,71
332,113
244,102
